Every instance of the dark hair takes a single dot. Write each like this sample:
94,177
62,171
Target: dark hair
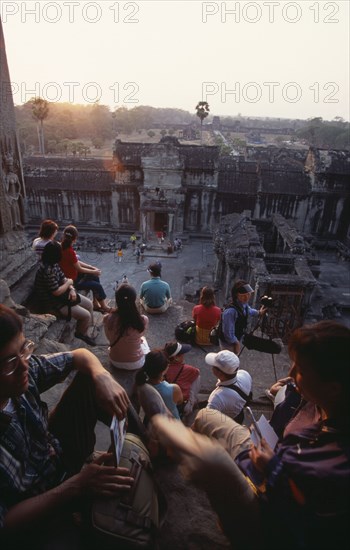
70,234
127,312
52,253
47,229
155,362
207,297
170,348
10,325
237,285
325,347
155,269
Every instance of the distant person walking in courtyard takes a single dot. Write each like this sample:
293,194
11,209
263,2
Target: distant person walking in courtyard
155,295
85,276
125,329
177,244
138,254
235,316
120,254
142,251
47,233
206,315
133,240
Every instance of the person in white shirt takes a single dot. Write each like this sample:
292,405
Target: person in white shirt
233,388
47,233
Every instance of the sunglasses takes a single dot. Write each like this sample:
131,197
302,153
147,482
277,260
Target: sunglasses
10,365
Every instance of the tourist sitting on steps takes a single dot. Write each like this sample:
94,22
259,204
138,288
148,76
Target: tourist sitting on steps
235,316
47,233
125,329
153,372
55,293
186,376
85,276
41,456
233,388
206,315
155,296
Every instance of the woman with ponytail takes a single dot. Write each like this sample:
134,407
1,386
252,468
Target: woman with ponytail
85,276
124,329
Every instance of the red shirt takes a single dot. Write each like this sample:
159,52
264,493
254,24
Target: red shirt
206,317
69,258
185,379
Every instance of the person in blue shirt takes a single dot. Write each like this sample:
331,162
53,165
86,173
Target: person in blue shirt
155,295
234,318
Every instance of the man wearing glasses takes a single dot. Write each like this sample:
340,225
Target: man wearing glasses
41,455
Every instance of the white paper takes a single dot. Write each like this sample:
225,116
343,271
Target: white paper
267,432
117,430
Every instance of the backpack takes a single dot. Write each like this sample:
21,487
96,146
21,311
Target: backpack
185,332
215,334
130,521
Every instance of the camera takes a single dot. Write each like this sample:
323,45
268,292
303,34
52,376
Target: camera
266,301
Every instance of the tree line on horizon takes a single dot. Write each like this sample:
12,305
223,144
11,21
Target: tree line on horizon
66,128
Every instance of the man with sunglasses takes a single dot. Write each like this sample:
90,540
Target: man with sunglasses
41,456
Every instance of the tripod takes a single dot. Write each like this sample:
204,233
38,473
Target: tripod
265,345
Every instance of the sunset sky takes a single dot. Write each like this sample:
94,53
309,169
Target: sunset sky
263,58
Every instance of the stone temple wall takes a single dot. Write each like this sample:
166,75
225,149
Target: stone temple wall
15,254
183,188
276,260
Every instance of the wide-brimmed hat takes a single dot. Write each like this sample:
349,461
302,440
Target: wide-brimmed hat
225,360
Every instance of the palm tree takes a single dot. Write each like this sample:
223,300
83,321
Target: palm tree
202,109
40,111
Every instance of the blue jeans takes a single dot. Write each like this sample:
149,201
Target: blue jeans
90,282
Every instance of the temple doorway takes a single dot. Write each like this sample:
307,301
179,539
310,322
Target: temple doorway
160,221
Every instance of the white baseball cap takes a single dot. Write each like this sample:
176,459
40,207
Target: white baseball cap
225,360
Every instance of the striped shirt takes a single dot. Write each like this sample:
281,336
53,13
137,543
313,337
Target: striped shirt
30,457
48,279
